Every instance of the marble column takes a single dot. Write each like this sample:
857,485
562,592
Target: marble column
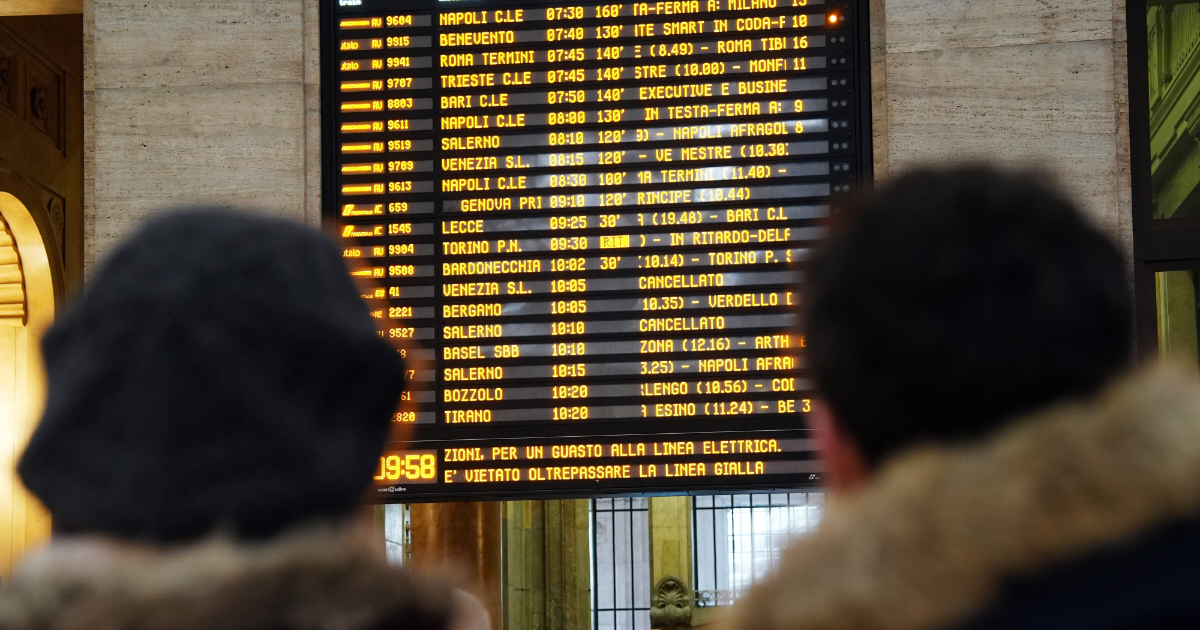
547,566
466,537
671,538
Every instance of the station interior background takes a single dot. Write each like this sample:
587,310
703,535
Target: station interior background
111,111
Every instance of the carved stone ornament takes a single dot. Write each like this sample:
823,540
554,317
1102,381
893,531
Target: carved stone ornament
38,105
57,219
671,605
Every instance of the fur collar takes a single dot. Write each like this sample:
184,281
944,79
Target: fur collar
318,580
933,539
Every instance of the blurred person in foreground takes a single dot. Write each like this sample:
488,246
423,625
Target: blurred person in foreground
218,401
995,461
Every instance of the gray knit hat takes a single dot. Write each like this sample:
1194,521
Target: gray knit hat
220,373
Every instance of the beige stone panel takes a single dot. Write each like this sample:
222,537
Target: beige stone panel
920,25
312,42
198,42
879,116
89,47
1123,179
40,7
879,119
163,147
1123,167
1120,28
1047,106
312,111
312,154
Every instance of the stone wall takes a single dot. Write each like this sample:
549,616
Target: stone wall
1036,83
218,101
198,101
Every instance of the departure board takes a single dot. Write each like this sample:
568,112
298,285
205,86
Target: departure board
591,220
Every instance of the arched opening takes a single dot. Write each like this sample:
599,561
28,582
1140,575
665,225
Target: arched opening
27,303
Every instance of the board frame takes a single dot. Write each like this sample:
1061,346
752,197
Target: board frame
865,163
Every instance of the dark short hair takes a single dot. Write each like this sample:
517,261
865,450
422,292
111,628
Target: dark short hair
951,300
220,374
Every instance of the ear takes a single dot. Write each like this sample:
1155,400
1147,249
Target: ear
845,467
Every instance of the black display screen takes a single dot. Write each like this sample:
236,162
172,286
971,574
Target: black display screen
592,220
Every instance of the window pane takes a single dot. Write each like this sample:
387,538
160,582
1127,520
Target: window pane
621,557
397,533
1176,293
1173,32
740,538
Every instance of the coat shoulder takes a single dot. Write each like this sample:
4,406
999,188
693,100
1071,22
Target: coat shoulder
943,531
313,580
1151,582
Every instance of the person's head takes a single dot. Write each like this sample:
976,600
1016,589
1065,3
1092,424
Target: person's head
949,302
220,374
